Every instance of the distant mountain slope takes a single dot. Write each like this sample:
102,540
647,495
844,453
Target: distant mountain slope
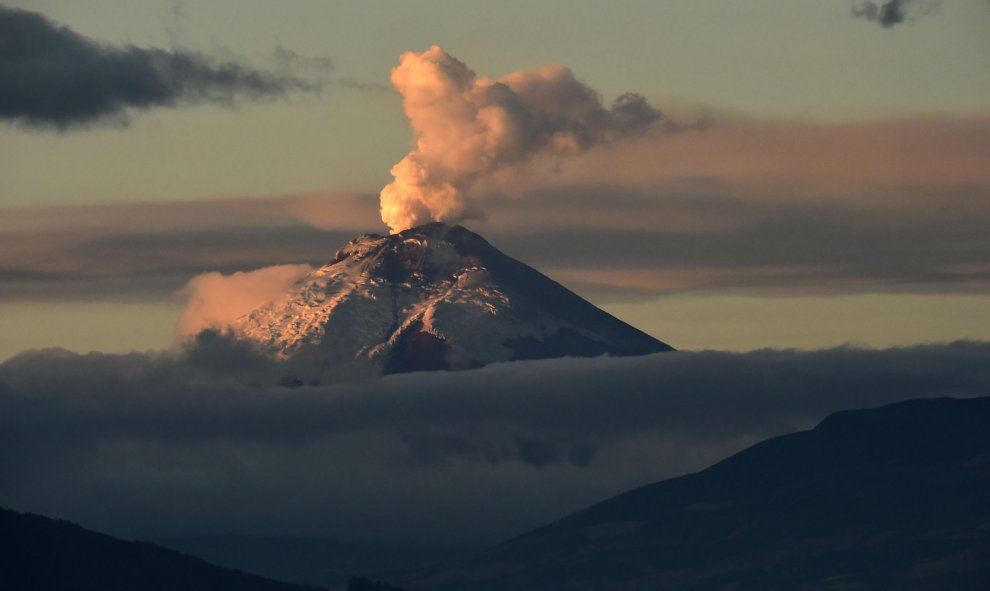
890,498
307,560
42,554
431,297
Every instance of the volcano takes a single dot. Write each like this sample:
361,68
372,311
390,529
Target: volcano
429,298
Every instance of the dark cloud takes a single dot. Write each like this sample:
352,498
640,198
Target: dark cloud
630,114
203,442
890,13
51,76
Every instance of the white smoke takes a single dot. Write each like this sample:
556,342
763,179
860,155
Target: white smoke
468,127
214,300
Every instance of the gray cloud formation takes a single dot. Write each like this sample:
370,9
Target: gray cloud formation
159,445
890,13
51,76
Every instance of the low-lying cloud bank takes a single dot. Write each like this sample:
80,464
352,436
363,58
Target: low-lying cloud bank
173,444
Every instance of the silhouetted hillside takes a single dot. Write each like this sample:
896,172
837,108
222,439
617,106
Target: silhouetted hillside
362,584
890,498
41,554
311,561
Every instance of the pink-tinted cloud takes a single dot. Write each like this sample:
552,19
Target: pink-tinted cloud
792,161
469,127
213,300
337,211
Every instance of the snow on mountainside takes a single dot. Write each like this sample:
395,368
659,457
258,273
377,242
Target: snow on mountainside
431,297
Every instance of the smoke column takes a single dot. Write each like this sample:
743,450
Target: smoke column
467,127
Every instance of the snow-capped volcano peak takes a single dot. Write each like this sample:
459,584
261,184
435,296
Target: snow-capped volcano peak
430,251
430,297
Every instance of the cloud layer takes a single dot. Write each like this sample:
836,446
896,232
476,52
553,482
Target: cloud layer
149,446
470,127
214,300
51,76
898,205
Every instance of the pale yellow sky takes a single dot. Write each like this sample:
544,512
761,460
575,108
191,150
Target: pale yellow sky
744,323
688,322
806,61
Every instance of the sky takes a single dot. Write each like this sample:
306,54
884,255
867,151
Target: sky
786,175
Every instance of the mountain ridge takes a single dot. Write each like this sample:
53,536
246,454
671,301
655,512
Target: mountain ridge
39,553
892,498
428,298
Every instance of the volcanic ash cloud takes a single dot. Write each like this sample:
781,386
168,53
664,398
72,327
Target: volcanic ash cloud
468,127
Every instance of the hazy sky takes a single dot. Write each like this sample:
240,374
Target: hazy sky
818,178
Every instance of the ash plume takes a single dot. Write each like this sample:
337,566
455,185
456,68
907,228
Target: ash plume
893,12
469,127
